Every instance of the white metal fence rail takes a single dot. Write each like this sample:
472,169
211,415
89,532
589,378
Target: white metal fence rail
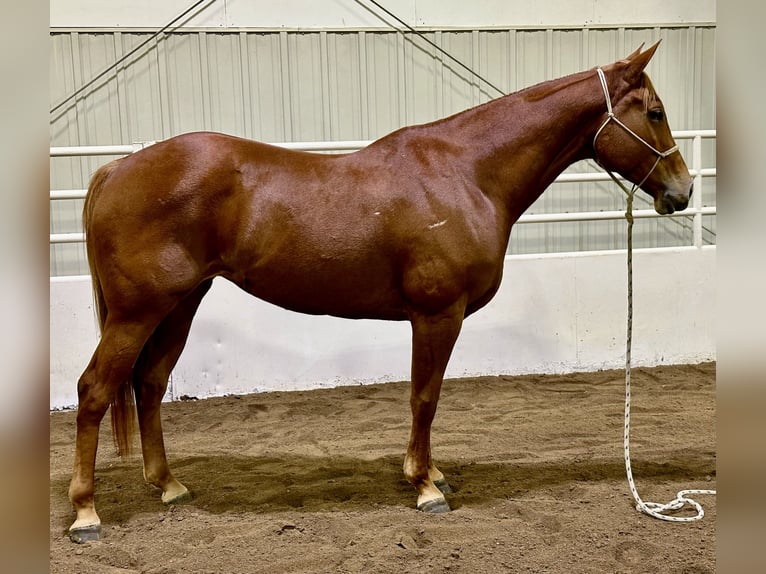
695,210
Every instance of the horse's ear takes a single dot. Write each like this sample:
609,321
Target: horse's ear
629,57
637,62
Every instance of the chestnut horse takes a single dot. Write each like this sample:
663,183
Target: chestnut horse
413,227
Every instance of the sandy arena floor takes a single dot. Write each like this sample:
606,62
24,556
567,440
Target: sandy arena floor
311,481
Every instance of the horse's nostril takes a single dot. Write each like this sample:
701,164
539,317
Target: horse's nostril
691,190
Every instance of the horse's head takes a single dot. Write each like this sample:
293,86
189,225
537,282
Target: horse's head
635,140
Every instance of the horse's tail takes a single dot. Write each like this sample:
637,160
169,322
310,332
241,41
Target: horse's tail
123,402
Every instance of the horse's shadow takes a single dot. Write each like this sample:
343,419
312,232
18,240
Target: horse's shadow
235,483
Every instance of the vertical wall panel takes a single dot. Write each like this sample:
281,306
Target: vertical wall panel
267,96
329,85
343,104
186,102
384,79
224,76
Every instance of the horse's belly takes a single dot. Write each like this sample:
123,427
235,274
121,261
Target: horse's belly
356,292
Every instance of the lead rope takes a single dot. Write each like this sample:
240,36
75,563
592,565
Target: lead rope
651,508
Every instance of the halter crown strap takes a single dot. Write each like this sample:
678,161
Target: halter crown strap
604,87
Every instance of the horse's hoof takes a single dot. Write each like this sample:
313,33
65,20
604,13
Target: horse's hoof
178,498
443,486
85,534
436,506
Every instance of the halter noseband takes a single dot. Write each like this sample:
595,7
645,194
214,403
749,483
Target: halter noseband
611,117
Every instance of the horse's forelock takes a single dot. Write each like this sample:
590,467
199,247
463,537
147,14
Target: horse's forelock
648,94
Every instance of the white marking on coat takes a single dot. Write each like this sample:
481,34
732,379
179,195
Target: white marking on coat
438,224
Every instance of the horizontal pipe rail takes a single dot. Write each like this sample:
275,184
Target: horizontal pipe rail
696,211
58,238
91,150
608,215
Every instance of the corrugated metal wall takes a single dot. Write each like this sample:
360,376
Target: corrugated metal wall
346,85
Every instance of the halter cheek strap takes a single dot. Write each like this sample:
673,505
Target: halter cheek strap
611,117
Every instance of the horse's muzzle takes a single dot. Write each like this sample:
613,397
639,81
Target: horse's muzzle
671,201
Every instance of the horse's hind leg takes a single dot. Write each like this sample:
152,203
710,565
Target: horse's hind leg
151,374
110,366
433,338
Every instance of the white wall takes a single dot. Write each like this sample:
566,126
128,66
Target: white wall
352,14
552,314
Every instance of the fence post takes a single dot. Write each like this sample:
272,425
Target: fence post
697,196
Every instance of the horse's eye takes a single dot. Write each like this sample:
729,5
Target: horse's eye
656,115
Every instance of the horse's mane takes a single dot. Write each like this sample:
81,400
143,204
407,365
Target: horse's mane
546,88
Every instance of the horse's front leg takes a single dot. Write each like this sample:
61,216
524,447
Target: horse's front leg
433,337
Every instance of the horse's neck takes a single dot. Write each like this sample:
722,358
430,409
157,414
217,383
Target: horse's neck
525,140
